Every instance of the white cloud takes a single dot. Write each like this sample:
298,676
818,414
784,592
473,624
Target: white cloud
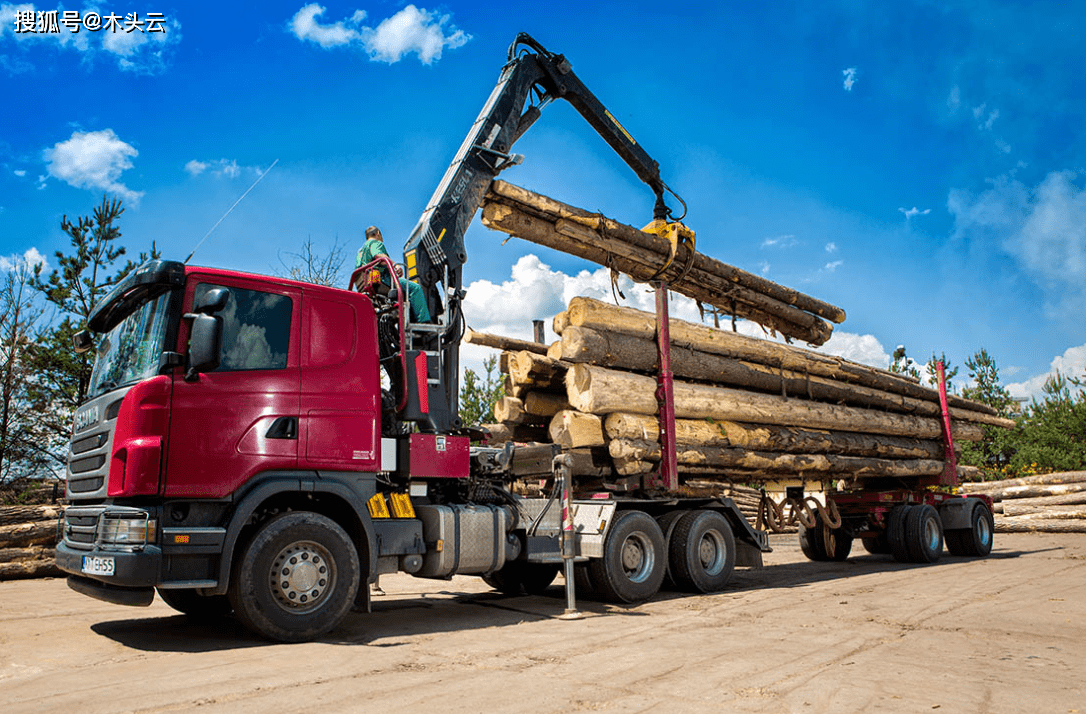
19,172
1043,227
140,52
914,211
29,259
765,267
1072,363
93,160
831,247
411,30
219,167
865,349
850,78
785,241
985,123
830,267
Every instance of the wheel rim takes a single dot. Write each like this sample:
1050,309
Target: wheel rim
712,552
931,534
302,576
638,557
984,533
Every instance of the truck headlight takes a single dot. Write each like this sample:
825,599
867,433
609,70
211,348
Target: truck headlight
126,531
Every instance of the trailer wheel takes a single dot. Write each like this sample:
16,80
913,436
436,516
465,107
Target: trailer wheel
877,545
296,579
895,532
812,543
817,546
634,557
702,552
975,541
196,606
667,527
923,534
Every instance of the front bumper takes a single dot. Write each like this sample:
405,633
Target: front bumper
131,569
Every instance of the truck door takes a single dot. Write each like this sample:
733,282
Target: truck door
242,418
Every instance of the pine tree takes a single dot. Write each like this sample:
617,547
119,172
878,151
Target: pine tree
478,396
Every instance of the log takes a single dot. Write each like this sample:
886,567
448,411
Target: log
11,515
1059,477
39,568
501,433
1012,509
1035,491
575,429
503,343
510,410
1014,525
612,230
537,461
586,312
763,437
26,534
11,555
536,371
559,323
545,404
1068,499
602,391
618,350
859,467
625,257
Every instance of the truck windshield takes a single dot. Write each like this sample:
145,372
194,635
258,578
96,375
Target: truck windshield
130,351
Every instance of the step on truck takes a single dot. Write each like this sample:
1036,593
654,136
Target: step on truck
271,447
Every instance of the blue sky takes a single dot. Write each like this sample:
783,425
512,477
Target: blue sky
920,164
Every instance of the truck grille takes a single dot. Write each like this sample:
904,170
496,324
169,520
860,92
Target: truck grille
81,526
92,445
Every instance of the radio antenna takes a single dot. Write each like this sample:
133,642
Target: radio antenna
259,178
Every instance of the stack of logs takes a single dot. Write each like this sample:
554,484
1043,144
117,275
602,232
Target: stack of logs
748,410
647,256
27,537
1047,503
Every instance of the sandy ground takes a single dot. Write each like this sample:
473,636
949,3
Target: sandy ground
1003,634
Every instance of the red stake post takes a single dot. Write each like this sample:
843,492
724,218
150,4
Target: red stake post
950,471
668,477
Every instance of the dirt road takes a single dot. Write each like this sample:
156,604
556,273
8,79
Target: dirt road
1005,634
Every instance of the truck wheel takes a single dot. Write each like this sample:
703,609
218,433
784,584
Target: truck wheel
582,580
296,579
702,552
895,532
633,563
196,606
506,580
975,541
923,534
877,545
537,577
667,527
812,541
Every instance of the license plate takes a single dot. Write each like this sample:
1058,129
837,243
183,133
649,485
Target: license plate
97,566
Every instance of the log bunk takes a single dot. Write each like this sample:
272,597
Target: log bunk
725,407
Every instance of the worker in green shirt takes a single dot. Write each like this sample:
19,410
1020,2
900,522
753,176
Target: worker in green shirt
375,246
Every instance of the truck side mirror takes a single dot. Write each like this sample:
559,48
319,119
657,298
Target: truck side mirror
205,344
212,302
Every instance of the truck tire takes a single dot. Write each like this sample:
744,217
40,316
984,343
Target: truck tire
877,545
196,606
812,541
701,552
895,532
975,541
582,580
634,559
923,534
667,527
296,578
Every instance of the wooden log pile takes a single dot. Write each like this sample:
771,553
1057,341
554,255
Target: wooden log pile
1046,503
646,256
27,538
748,410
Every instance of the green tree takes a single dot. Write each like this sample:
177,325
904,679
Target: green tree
81,279
1053,436
948,371
903,364
20,314
478,396
997,447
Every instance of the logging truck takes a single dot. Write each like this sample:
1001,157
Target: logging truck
271,447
